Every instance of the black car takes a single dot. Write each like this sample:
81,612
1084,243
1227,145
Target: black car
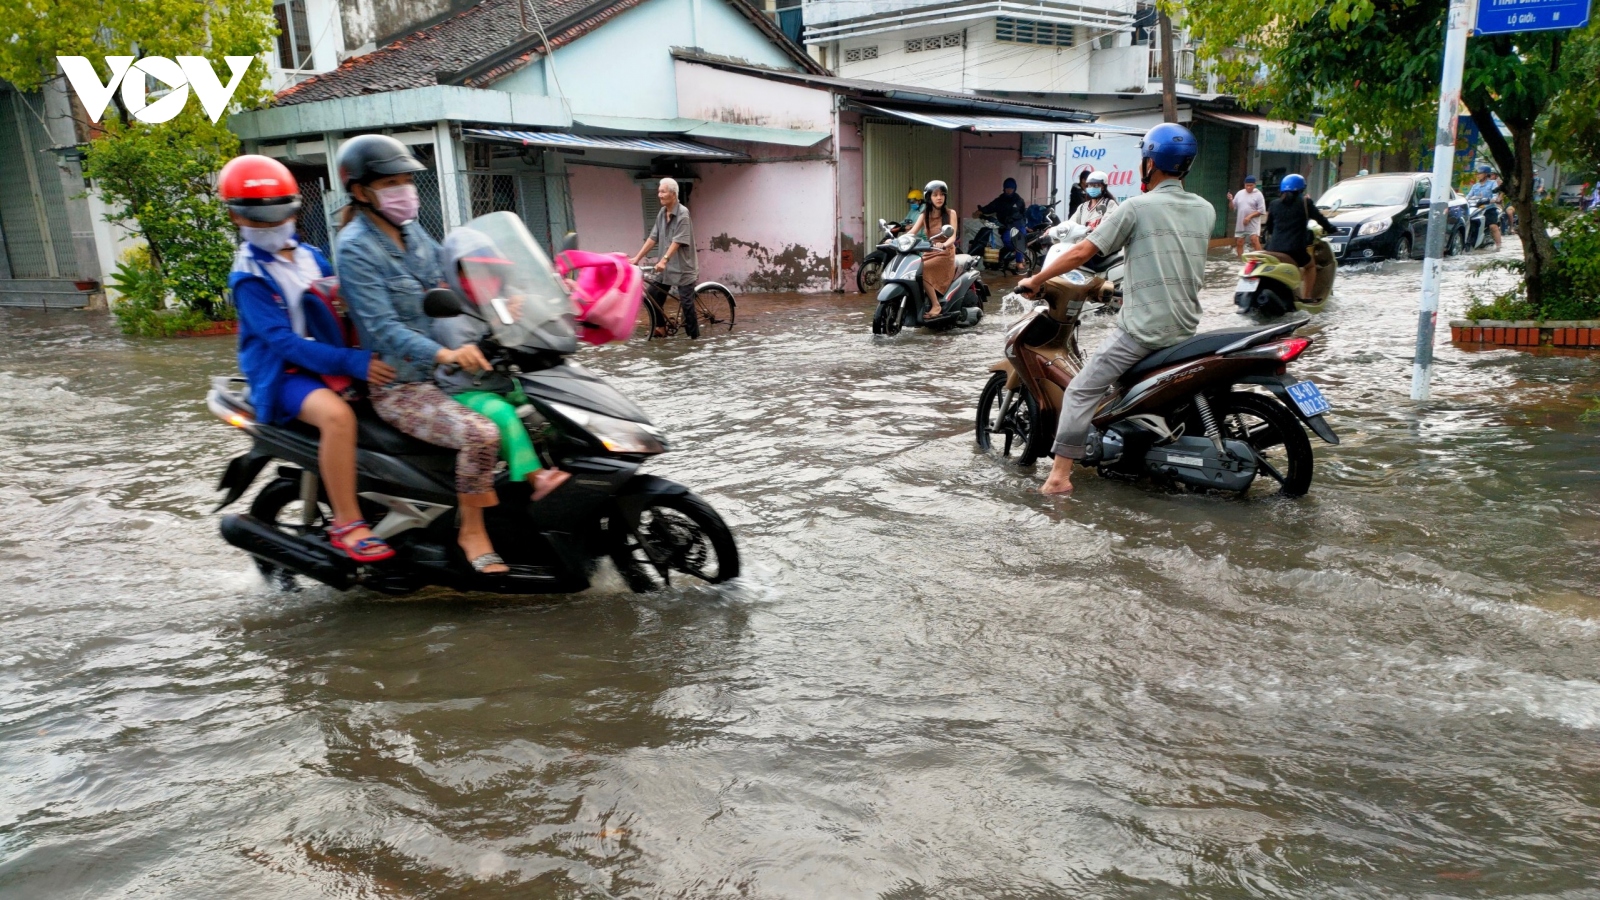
1386,217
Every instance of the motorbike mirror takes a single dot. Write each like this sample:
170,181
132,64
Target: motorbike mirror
570,242
947,231
883,223
441,303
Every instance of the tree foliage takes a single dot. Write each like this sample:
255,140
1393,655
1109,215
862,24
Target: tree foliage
1369,71
157,179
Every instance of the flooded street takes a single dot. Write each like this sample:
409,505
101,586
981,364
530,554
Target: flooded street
930,682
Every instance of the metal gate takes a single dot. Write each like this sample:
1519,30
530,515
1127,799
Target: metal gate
33,202
520,192
1209,177
896,158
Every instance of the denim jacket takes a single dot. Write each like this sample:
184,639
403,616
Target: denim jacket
382,285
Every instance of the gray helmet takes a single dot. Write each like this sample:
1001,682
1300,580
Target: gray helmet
936,185
372,156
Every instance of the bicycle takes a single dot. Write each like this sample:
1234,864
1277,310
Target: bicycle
714,304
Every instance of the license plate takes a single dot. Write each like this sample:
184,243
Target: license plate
1310,400
1246,285
1338,249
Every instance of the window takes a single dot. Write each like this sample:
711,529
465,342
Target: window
294,35
1025,31
858,54
936,42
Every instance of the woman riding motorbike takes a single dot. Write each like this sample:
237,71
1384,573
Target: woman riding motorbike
1287,219
938,264
386,262
1099,202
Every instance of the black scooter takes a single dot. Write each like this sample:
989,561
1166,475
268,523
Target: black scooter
902,301
648,526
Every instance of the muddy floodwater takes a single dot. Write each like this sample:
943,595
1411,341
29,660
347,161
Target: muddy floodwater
930,682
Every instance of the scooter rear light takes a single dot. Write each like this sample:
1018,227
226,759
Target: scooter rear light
1283,351
1249,267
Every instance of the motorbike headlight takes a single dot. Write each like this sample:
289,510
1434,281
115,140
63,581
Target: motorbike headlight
618,435
1376,226
905,242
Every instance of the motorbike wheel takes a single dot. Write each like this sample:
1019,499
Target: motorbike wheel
891,316
681,533
716,308
1283,452
278,505
869,276
1014,423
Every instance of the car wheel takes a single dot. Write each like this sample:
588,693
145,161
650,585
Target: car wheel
1403,251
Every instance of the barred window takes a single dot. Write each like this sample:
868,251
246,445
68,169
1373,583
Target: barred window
857,54
936,42
1025,31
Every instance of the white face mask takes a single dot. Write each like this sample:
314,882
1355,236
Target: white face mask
272,238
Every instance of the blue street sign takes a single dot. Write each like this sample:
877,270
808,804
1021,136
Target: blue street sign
1507,16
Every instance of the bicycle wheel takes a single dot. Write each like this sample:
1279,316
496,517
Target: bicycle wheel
715,307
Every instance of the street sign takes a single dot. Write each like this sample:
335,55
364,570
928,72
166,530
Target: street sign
1508,16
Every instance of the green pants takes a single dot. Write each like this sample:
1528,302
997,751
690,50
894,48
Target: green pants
515,445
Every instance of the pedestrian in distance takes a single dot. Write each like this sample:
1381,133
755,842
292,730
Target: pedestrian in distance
1250,207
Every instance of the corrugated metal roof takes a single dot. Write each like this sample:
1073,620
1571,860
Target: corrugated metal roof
997,124
653,145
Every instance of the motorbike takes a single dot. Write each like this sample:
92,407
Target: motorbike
1188,414
648,526
1269,283
1064,237
869,272
1478,235
1042,219
988,244
902,300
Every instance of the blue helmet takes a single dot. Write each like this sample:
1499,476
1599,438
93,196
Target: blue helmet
1485,170
1009,184
1170,147
1292,183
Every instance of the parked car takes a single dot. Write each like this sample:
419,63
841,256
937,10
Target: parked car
1386,217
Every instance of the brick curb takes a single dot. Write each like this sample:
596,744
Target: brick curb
1579,334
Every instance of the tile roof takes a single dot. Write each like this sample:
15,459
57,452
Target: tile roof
450,45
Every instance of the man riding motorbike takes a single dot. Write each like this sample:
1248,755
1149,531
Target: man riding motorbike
914,208
1011,211
1487,189
1099,202
1165,232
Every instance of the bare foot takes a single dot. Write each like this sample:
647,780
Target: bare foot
477,544
1055,486
546,480
936,311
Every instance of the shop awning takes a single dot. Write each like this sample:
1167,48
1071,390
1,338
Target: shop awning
1273,136
967,121
761,134
564,140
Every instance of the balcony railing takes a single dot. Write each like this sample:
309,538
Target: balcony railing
1185,65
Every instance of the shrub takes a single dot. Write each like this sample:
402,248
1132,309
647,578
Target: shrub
143,308
1572,282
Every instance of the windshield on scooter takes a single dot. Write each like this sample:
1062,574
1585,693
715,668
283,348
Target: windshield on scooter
513,286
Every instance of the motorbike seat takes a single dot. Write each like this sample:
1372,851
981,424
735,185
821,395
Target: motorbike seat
966,262
373,433
1200,345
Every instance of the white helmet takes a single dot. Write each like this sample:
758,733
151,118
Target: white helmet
1097,177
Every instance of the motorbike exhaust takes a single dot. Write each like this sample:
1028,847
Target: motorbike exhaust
302,557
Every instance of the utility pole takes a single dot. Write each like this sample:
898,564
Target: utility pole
1444,158
1169,69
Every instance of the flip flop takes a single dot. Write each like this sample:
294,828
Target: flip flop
543,487
366,550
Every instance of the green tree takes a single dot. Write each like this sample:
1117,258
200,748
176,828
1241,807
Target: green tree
1371,69
155,178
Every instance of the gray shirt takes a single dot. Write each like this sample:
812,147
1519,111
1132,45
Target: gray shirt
681,268
1166,233
456,332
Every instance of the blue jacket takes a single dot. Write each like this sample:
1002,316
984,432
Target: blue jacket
382,285
268,345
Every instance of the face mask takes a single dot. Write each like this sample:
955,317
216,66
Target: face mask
398,204
1094,192
271,239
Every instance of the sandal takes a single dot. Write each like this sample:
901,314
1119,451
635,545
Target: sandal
366,550
485,561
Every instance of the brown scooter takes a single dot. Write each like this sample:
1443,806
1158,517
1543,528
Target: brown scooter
1184,414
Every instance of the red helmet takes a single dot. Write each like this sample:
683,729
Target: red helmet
259,188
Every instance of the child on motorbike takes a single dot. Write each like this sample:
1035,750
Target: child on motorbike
475,270
291,345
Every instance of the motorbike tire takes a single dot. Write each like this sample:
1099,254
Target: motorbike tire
269,507
1276,426
891,316
1016,424
682,528
869,276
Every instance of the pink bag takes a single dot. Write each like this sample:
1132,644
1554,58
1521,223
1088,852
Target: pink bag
607,294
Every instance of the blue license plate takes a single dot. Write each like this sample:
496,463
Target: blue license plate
1310,400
